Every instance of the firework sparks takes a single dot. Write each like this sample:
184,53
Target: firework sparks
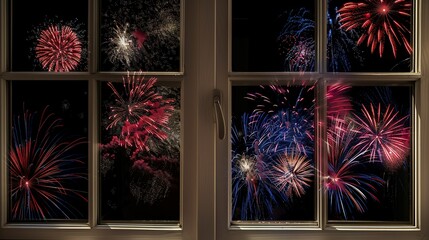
348,188
384,134
42,170
379,19
59,49
292,173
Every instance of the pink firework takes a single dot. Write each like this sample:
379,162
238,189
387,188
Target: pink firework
379,19
292,173
384,134
59,49
140,110
338,103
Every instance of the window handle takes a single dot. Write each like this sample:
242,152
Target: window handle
220,119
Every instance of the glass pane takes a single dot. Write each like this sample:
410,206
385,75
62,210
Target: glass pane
48,152
369,153
276,37
272,153
49,35
140,150
142,35
369,36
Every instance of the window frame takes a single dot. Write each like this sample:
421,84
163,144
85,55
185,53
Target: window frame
322,229
185,228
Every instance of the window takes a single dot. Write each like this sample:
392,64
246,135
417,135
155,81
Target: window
226,119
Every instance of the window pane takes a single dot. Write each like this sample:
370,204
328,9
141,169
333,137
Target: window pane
48,152
49,35
276,37
140,35
272,147
140,150
369,36
369,153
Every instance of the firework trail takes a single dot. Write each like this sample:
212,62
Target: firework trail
292,173
43,170
384,134
380,19
347,184
297,42
141,35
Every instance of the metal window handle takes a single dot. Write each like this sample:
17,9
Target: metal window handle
220,119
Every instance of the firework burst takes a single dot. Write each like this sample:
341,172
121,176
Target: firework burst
297,42
123,46
59,45
59,49
141,35
292,173
43,170
142,125
141,110
348,185
380,19
291,110
384,134
252,191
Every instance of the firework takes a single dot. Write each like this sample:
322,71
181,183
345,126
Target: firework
142,112
348,185
292,111
380,19
141,35
253,194
122,46
338,103
297,42
59,49
384,134
341,46
43,170
59,45
292,173
142,126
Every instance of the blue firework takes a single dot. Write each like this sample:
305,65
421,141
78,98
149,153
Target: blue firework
297,41
342,48
253,195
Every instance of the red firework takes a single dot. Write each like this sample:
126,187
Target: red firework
59,49
379,19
